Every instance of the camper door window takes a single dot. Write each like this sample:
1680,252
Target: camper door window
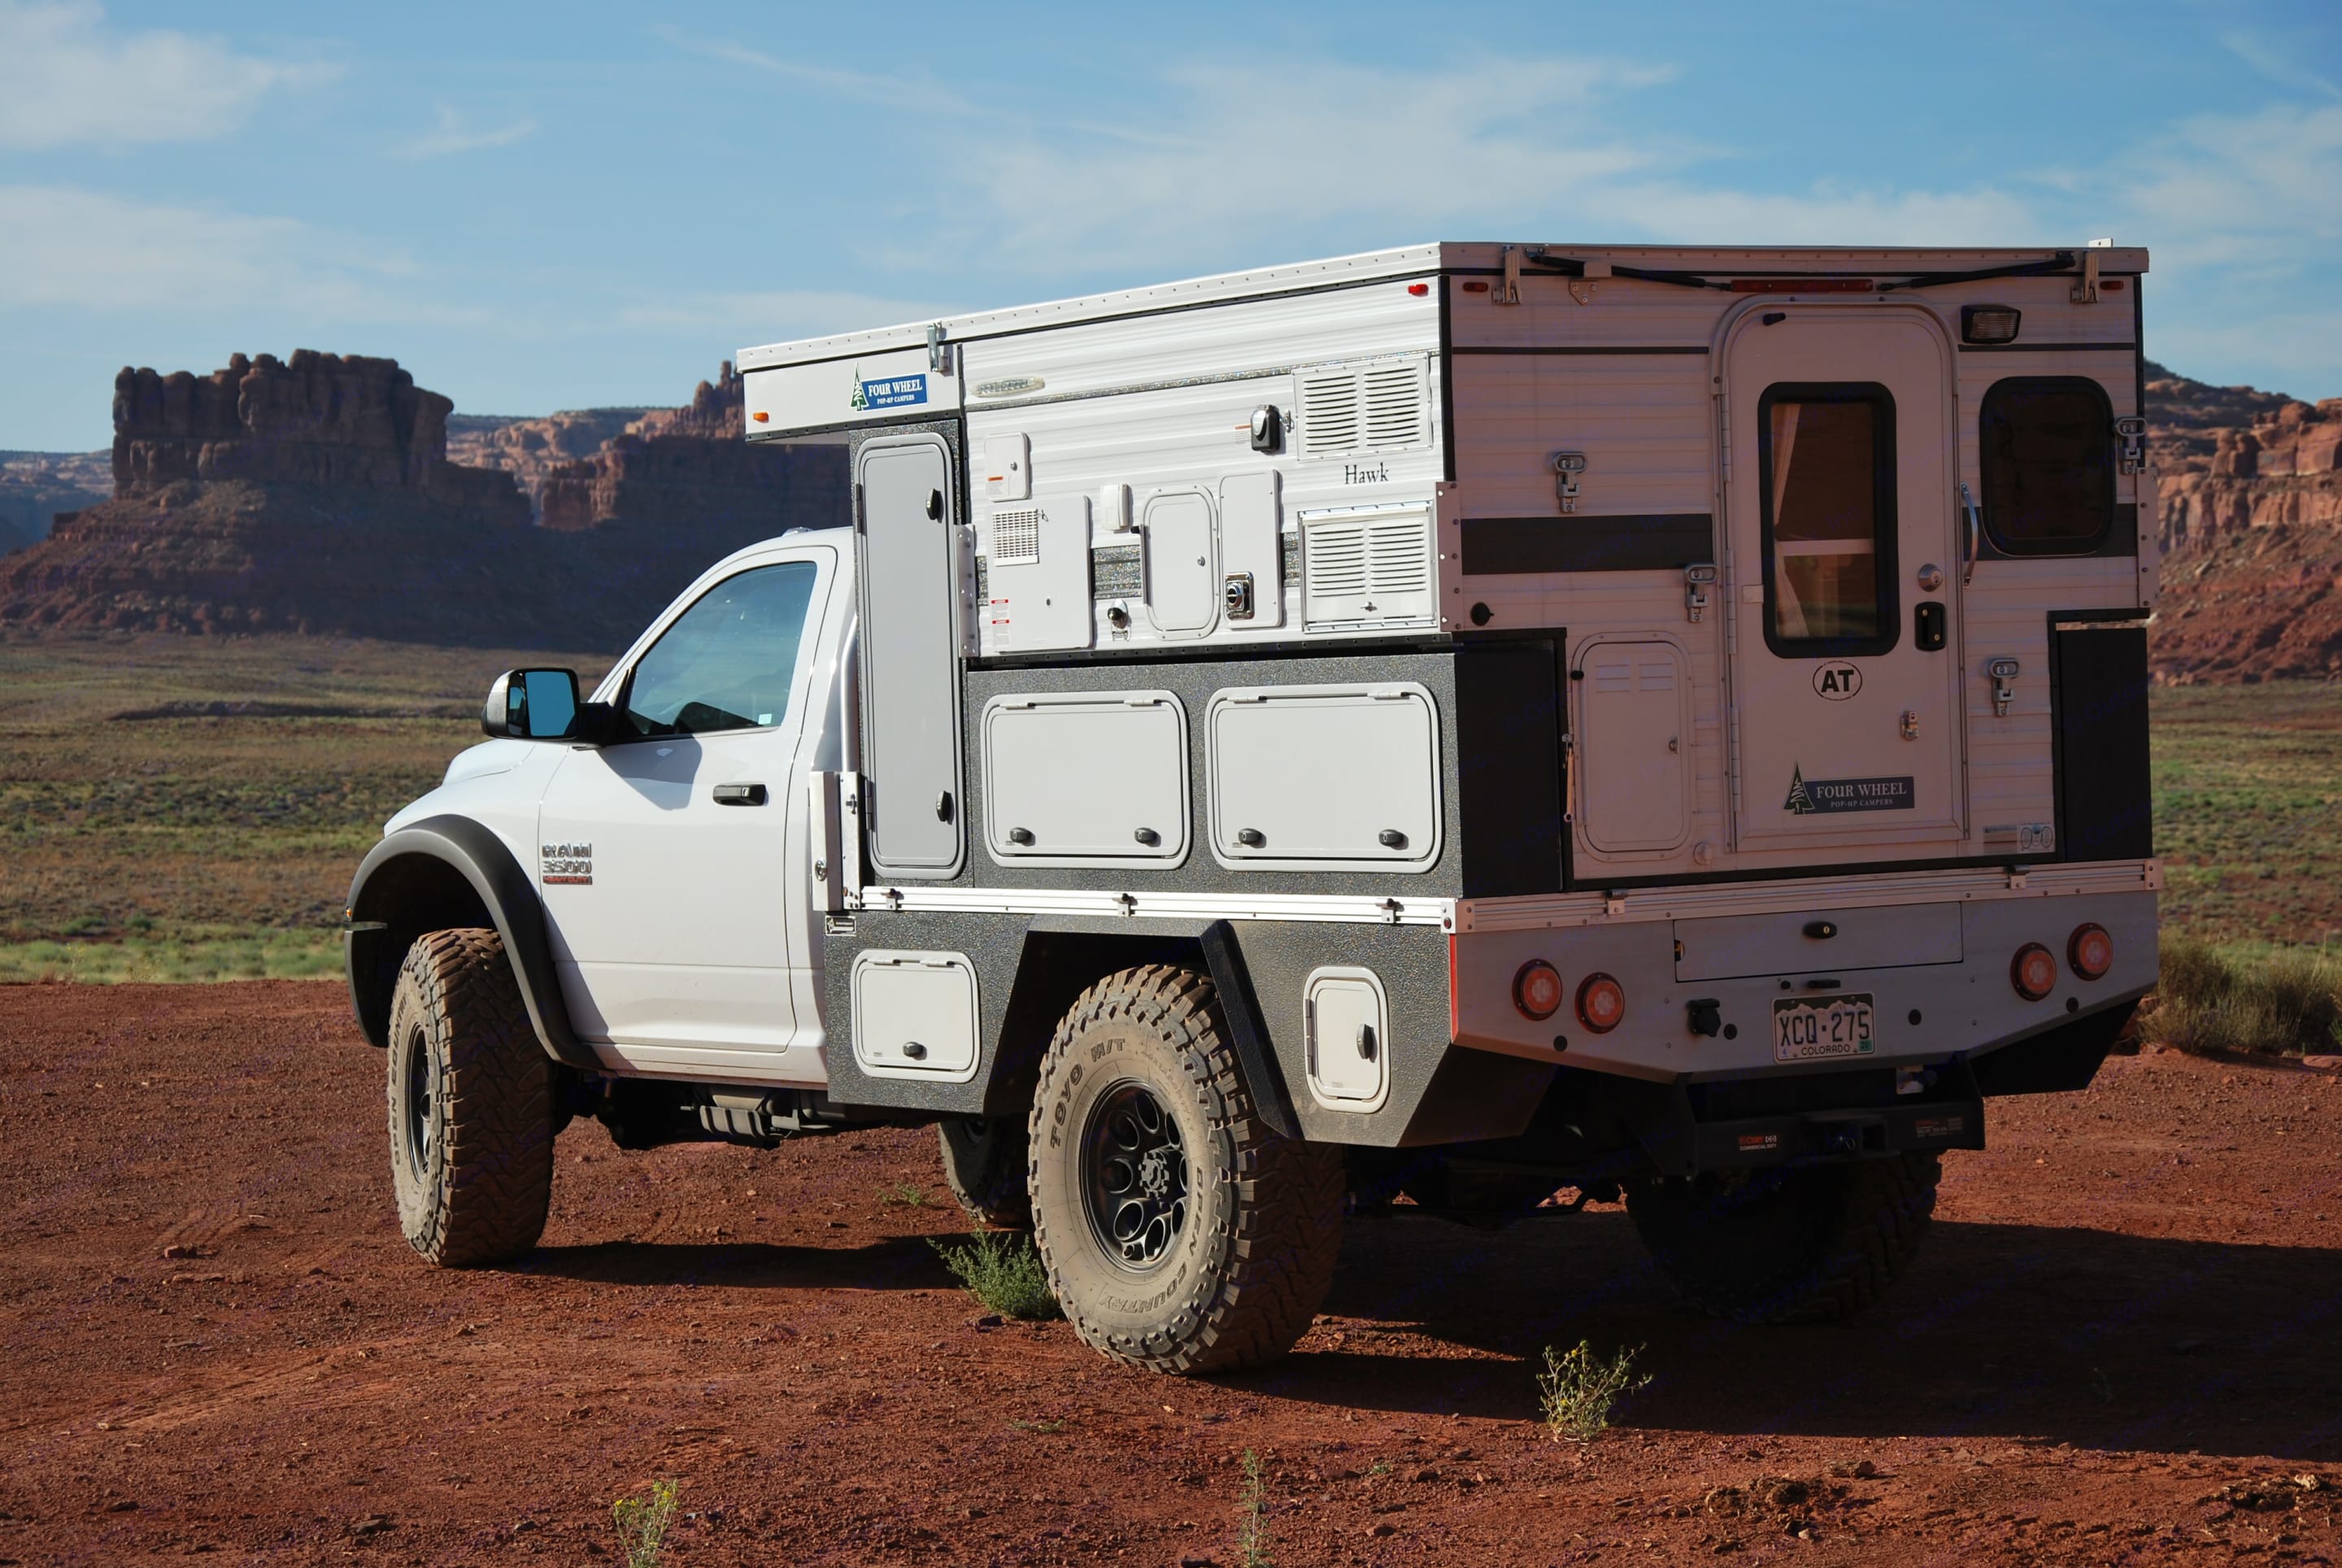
1826,467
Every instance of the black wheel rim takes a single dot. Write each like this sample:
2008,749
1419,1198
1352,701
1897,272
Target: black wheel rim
1135,1176
418,1103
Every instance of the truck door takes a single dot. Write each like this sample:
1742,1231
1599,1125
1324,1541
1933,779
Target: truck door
911,623
1844,575
664,855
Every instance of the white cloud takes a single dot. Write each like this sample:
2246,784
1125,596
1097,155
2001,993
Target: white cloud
2278,64
75,249
66,78
451,135
860,86
2259,192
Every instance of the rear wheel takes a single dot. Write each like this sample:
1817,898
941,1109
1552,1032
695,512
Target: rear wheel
471,1103
984,1165
1799,1244
1180,1231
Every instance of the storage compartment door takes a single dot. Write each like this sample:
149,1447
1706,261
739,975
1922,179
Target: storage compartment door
1252,553
1346,1028
910,656
1633,746
1086,779
914,1015
1182,594
1337,777
1037,576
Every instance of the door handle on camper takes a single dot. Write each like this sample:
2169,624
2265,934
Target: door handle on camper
1974,535
739,794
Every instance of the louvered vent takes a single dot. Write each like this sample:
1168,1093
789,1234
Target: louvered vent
1016,537
1368,567
1374,405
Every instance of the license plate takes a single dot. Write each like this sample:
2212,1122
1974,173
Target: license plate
1811,1027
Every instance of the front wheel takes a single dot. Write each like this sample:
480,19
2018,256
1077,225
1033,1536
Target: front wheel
1799,1244
471,1104
1180,1231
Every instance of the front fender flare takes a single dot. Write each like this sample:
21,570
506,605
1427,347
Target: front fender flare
380,910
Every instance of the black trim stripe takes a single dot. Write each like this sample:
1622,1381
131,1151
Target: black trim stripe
1634,542
1584,349
2023,348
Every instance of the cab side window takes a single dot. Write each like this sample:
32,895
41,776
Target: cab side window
2048,449
728,661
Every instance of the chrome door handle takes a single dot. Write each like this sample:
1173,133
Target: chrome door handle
739,794
1976,535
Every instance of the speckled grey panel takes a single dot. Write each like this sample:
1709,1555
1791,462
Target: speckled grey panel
1439,1093
1118,571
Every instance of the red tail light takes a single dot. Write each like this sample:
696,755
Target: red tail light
1536,991
2033,971
2090,951
1601,1003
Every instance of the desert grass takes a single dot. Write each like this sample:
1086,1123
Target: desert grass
1003,1271
178,809
2283,1003
1578,1389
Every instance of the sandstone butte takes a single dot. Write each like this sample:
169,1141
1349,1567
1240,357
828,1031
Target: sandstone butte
314,494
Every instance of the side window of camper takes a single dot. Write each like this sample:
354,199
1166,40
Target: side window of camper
1826,467
2048,447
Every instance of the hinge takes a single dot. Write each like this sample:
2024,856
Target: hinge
1508,292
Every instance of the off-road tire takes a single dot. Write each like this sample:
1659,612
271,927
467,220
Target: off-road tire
1254,1255
471,1104
1797,1244
985,1161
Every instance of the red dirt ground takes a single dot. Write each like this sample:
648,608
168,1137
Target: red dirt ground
2122,1344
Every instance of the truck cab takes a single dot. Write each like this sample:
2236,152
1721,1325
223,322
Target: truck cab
1449,726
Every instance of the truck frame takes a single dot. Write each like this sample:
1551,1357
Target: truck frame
1451,724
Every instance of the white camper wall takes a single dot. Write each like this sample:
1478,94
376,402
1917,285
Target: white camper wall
1117,413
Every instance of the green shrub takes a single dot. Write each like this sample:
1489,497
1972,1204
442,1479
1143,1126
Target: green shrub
1578,1390
1001,1270
643,1524
1252,1525
2288,1003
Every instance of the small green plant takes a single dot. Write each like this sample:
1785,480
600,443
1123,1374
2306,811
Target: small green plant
2208,1002
643,1524
1001,1270
1578,1390
1042,1428
903,1194
1252,1527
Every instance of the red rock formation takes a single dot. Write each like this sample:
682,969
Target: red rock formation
530,449
2249,502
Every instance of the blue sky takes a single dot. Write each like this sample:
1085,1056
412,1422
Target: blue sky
539,207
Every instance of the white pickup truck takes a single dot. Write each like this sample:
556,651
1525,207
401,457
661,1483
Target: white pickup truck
1456,724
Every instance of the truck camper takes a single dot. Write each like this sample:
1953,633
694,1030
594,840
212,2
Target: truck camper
1453,726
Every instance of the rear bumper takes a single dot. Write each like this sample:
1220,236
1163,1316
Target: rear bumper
1931,949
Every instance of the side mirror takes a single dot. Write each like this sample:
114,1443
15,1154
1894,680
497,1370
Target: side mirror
532,705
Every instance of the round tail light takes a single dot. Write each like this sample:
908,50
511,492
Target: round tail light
2033,971
2090,951
1601,1003
1536,989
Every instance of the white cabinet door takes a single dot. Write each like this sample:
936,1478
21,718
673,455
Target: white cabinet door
670,910
1633,746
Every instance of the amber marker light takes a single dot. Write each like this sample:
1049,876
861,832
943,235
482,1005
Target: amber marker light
1536,991
2090,951
760,416
2033,971
1601,1003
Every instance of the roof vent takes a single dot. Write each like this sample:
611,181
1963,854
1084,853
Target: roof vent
1364,406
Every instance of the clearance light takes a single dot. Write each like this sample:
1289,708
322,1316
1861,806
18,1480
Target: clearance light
1601,1003
2090,951
760,416
1475,286
1536,991
1990,323
2033,971
1418,289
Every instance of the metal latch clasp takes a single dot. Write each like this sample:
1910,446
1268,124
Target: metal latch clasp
1697,580
2003,674
1569,466
2132,431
